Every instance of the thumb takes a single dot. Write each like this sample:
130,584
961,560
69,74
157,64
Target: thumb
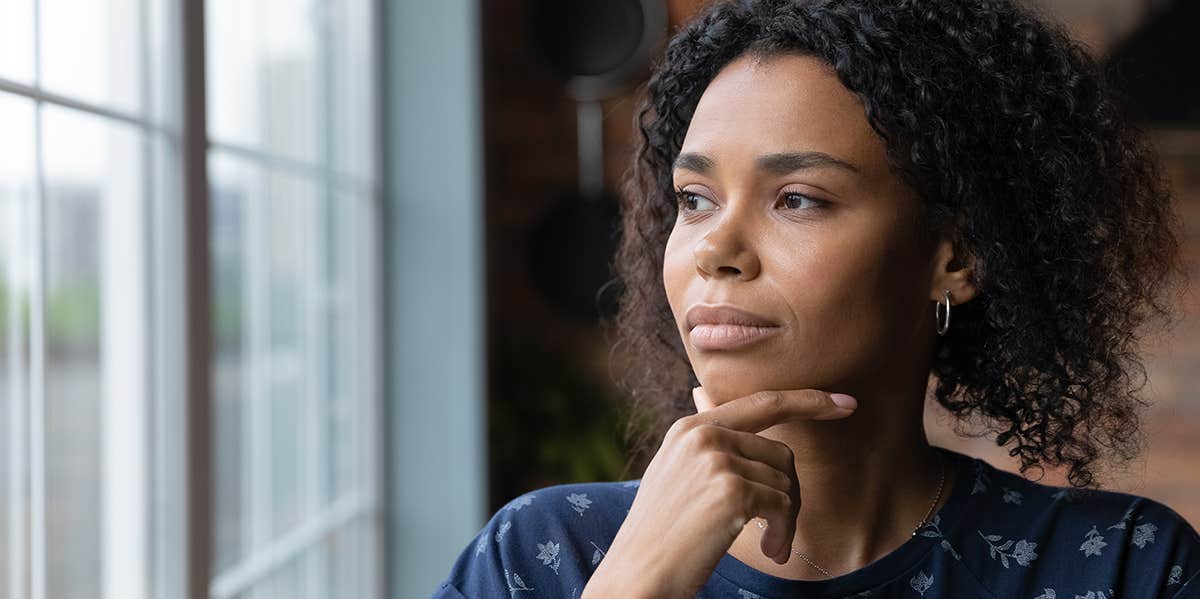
703,403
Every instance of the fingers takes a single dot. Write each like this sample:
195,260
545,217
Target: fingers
764,409
776,508
766,463
763,474
766,467
773,453
703,403
774,465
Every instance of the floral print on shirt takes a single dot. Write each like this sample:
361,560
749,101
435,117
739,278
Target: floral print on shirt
549,542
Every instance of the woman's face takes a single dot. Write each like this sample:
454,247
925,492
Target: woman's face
790,212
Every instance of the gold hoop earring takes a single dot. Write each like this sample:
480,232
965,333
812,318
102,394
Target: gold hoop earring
937,315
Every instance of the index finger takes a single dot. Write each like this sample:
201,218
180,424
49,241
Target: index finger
764,409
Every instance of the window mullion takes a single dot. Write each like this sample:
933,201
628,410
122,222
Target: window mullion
197,296
37,353
20,257
319,391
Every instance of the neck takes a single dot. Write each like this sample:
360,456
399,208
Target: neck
865,482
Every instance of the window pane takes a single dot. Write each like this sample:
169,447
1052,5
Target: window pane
293,287
17,191
354,90
95,403
266,243
263,75
337,566
291,292
92,51
16,40
353,571
291,98
232,184
351,372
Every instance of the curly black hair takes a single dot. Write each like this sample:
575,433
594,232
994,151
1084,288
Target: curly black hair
1025,154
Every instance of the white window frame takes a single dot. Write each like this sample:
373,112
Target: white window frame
125,441
165,508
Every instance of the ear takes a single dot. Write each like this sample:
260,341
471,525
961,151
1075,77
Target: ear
953,272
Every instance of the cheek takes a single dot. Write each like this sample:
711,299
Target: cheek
675,273
839,299
821,289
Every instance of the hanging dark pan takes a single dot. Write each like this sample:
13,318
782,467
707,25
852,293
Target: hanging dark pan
597,48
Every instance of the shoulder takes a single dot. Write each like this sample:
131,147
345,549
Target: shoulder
1003,490
552,537
594,509
1076,541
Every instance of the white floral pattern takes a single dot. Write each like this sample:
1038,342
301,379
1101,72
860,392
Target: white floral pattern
1023,550
936,533
1143,534
520,502
514,578
549,555
598,554
1011,496
1004,545
1124,520
1176,575
579,502
1050,594
503,529
921,582
1093,543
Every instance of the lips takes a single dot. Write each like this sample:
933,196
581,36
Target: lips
725,314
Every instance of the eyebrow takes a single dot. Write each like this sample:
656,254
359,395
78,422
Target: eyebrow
780,163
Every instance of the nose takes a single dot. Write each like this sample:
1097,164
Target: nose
725,250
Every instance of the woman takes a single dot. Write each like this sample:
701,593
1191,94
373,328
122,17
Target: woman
836,206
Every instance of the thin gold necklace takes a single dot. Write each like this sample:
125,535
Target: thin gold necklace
936,498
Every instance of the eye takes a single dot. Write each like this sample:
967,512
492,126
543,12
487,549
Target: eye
791,197
684,200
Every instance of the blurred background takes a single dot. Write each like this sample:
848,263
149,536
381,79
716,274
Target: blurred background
294,294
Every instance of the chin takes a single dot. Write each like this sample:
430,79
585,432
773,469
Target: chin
727,383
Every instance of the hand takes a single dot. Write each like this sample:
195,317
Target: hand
711,475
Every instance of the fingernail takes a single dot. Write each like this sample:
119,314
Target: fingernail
844,401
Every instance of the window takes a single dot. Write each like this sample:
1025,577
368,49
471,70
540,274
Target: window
92,300
294,201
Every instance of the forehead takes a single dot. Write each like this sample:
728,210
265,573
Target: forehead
782,103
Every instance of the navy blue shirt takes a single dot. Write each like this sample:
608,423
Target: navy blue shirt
998,535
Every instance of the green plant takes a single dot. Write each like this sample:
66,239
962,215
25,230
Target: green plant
549,421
